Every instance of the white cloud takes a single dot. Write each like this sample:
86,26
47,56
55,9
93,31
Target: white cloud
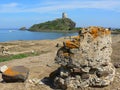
9,5
113,5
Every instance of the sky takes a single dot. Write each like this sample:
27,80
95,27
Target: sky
19,13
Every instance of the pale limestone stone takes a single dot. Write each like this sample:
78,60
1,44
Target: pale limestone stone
92,60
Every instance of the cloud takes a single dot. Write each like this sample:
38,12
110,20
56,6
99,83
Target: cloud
9,5
113,5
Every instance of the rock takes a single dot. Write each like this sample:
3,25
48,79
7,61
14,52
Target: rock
3,68
102,73
15,74
54,74
85,76
86,60
57,45
35,81
4,50
23,28
48,65
117,65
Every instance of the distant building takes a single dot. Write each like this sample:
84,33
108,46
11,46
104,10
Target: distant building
64,15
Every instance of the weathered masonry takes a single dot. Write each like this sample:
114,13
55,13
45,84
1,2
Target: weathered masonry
85,60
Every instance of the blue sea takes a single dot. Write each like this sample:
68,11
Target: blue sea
14,34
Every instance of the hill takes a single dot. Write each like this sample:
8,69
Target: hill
58,24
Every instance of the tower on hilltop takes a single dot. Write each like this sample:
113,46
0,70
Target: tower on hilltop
64,15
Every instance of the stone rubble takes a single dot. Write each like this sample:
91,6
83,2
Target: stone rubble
117,65
35,81
4,51
85,60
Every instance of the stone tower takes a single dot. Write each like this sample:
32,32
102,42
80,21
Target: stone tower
64,15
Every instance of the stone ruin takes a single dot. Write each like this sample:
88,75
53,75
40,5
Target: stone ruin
64,15
85,60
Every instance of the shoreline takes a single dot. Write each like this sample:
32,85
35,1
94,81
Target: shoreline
56,31
112,33
68,31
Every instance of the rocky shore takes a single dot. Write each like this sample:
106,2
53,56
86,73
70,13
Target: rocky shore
41,66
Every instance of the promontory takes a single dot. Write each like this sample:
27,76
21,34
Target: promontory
60,24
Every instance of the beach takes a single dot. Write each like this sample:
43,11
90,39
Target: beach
42,65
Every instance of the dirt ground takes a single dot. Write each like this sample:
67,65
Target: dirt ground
41,66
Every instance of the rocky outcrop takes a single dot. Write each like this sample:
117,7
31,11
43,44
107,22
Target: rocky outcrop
58,24
23,28
85,60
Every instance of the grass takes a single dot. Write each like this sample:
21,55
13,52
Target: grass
19,56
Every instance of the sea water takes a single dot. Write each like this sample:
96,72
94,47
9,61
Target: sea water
14,34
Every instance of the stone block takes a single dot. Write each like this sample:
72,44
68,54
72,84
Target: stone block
15,74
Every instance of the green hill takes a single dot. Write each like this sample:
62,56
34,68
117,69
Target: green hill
58,24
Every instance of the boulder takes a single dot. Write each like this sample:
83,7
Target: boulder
15,74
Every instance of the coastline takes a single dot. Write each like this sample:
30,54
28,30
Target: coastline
43,64
26,46
68,31
115,32
56,31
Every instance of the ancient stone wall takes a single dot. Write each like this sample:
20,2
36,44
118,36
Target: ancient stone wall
85,60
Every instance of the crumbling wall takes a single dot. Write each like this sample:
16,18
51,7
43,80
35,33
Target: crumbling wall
86,65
